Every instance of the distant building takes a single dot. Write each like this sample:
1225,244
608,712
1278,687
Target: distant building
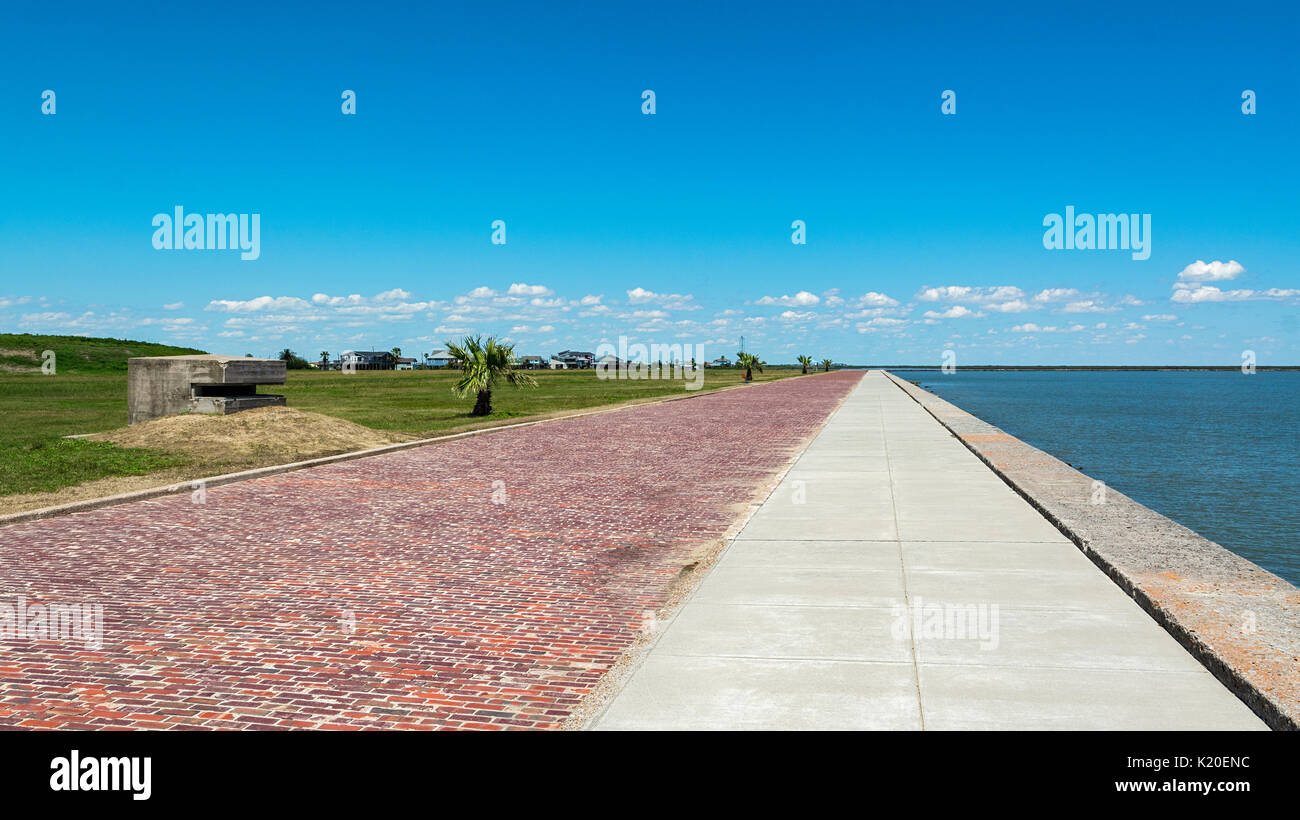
557,364
367,360
576,358
531,362
439,358
404,364
721,361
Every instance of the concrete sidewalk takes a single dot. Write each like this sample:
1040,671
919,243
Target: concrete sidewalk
892,581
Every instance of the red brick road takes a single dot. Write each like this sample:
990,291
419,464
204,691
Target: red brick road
391,592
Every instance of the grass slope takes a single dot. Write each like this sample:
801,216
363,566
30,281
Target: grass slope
77,354
87,392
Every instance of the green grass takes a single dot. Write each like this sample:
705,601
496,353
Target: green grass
46,466
78,354
85,394
37,410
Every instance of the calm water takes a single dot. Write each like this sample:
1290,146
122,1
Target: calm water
1216,452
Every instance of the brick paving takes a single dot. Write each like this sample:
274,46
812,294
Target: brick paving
392,592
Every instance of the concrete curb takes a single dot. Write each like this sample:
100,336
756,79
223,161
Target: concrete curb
1239,620
275,469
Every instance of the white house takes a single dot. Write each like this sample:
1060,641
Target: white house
438,358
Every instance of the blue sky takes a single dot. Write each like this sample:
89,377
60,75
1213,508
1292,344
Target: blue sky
924,231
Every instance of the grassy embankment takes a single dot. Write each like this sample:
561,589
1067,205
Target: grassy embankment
87,394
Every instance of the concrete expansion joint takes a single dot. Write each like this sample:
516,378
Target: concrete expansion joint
1259,670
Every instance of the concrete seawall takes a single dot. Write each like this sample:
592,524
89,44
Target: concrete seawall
1239,620
893,581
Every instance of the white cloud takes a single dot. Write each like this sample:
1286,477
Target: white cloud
954,312
874,299
1030,327
791,315
1055,295
672,301
1013,306
801,299
1215,271
1087,306
964,293
548,303
882,323
1209,293
1159,317
520,289
259,303
174,306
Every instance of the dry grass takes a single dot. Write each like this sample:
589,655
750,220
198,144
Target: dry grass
270,435
99,488
214,445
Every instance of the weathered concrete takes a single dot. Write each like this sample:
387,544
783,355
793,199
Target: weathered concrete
819,614
1241,621
165,385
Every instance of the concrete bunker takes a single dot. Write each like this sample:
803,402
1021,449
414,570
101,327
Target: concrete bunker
166,385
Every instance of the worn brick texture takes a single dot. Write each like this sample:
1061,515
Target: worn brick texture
395,592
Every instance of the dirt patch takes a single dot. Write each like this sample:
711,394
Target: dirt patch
18,367
278,433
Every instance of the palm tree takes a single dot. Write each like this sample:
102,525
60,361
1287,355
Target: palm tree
397,352
324,356
482,364
826,365
805,361
751,363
